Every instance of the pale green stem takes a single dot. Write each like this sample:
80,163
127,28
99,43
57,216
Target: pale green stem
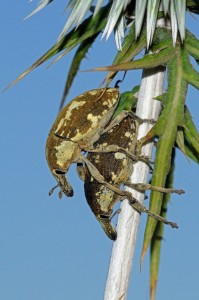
128,220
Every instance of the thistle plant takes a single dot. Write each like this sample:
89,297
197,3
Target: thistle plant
158,28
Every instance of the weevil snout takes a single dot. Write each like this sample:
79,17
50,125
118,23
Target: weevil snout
63,183
107,226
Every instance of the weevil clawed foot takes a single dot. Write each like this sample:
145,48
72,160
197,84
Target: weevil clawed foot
117,212
146,186
142,209
149,121
145,159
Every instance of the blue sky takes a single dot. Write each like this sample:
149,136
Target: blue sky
52,249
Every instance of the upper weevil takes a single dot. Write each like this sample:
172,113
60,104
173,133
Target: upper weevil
76,128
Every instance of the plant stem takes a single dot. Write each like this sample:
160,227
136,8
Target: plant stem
128,220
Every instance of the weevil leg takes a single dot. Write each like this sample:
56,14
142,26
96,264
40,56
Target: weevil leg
81,171
52,190
117,212
96,174
125,113
141,208
115,148
125,194
117,120
140,120
145,186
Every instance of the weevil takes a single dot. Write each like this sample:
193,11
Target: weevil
115,167
77,127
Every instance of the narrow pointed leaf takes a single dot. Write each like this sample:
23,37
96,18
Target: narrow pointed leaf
191,132
130,49
152,12
97,7
76,16
166,128
77,59
165,4
116,9
193,6
174,24
191,153
180,8
192,44
87,29
41,5
119,33
149,61
140,8
191,75
156,242
180,141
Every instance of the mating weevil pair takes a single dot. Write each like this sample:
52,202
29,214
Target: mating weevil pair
85,125
77,127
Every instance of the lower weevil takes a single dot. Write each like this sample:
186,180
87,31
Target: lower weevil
115,166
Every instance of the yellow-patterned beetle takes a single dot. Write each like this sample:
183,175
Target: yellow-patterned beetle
76,128
115,167
115,163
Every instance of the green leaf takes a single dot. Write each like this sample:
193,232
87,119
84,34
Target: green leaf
180,141
192,44
91,26
130,49
77,59
77,15
180,8
116,12
174,24
165,4
128,100
158,235
193,6
166,129
190,74
140,8
147,62
191,153
41,5
190,131
152,12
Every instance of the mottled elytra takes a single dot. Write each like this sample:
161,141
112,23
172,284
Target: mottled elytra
76,128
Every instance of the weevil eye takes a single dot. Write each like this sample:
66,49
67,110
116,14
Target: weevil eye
104,217
59,172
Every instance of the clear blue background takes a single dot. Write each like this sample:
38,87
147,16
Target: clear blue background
52,249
